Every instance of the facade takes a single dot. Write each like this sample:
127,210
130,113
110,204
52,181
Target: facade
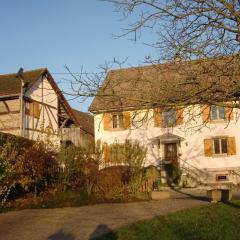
32,106
202,138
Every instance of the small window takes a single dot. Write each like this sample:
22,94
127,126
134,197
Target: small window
117,121
169,118
220,146
217,112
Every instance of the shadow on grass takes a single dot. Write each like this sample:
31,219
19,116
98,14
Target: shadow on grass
61,235
103,232
232,204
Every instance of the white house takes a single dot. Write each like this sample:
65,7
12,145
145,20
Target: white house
202,137
32,106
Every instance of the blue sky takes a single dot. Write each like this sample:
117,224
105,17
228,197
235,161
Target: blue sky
55,33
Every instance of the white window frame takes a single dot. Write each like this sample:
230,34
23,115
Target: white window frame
218,113
168,113
120,123
220,146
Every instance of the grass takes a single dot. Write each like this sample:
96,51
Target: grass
219,221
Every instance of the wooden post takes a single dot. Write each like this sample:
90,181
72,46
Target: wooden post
22,109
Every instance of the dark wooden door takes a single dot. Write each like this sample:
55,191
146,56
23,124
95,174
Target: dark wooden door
171,152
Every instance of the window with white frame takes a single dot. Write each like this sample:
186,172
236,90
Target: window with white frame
220,145
217,112
117,121
169,118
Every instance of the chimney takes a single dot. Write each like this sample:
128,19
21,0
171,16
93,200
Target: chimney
20,73
177,58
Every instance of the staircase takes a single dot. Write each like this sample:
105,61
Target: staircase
196,176
205,179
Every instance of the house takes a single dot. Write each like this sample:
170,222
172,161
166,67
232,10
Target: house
174,110
32,106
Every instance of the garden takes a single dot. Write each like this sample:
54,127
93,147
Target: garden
35,175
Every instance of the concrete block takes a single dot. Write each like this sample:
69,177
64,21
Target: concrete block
216,195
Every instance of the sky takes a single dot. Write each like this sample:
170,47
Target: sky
59,33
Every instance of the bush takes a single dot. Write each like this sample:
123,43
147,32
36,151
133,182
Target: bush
25,169
79,166
111,183
37,168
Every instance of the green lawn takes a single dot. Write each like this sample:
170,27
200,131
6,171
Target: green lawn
211,222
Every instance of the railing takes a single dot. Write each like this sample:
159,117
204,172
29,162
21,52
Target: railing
198,175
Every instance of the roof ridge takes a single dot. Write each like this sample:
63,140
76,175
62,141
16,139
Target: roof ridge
28,71
152,65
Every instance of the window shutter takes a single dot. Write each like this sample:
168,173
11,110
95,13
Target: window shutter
229,113
107,153
208,147
179,116
126,120
206,113
231,146
36,110
157,117
107,121
31,109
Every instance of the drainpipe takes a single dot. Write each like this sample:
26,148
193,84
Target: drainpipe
22,105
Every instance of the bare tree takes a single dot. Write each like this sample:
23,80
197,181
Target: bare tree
191,28
198,40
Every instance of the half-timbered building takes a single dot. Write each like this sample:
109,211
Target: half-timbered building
32,106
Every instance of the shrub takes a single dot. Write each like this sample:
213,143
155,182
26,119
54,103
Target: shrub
111,183
8,173
37,168
25,169
130,154
79,166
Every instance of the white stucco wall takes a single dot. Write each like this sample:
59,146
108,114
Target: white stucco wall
191,148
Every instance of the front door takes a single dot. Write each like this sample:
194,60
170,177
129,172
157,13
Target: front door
171,152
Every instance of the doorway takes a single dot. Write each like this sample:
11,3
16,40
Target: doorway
171,155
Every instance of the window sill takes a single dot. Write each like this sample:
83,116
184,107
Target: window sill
116,129
219,121
220,155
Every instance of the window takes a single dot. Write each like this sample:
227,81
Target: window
169,118
117,121
217,112
220,146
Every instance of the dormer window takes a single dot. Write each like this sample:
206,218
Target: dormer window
117,121
217,112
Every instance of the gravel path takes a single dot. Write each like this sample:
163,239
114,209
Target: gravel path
87,222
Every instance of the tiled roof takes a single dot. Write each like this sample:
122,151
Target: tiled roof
85,120
161,84
10,84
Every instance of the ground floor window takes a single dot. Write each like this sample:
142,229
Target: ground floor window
117,121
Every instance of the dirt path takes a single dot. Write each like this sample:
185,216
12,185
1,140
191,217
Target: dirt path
85,222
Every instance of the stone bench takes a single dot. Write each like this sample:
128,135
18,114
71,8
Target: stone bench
217,195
